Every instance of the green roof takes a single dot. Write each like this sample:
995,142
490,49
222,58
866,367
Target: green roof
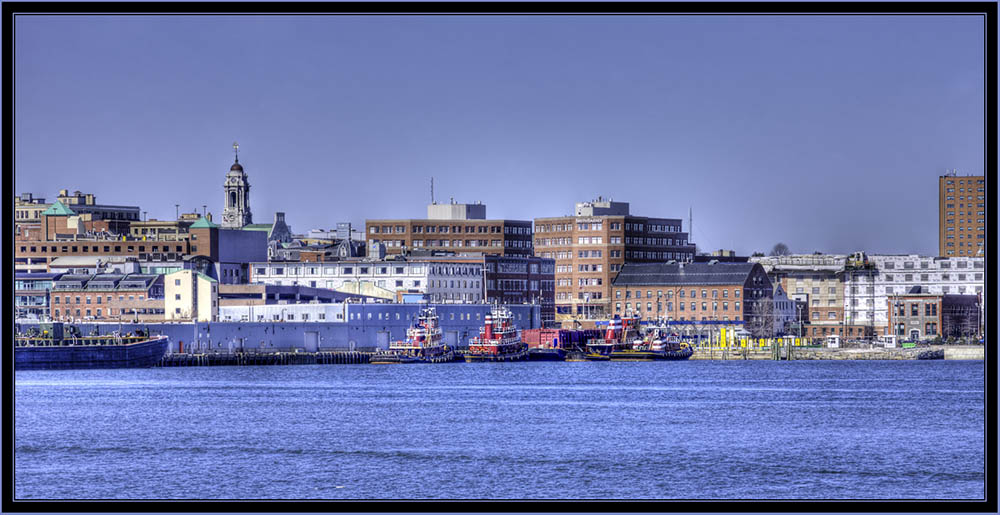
205,277
203,223
257,227
58,209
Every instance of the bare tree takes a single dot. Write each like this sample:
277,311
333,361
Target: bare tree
760,323
780,249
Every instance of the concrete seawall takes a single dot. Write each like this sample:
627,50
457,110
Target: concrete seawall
952,352
965,352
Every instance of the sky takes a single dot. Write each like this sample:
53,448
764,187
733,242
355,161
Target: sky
825,133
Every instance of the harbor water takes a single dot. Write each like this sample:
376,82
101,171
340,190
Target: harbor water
530,430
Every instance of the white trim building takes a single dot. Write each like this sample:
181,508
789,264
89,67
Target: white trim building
897,274
443,282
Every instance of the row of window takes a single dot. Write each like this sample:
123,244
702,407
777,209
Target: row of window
680,293
941,264
649,311
56,313
28,214
388,316
374,270
450,229
97,299
927,277
78,249
614,226
691,306
930,308
639,254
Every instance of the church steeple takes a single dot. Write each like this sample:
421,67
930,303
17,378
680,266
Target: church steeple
236,213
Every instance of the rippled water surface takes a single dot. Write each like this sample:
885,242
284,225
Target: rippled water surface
689,430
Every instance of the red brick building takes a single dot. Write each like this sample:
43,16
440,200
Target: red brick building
696,291
453,227
591,247
961,215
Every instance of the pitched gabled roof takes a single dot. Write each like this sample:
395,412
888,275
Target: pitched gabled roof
58,209
204,223
667,274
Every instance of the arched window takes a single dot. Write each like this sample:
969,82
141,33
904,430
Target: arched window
232,199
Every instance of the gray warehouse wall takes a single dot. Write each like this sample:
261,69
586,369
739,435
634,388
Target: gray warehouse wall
459,322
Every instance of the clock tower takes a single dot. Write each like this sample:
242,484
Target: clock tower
236,213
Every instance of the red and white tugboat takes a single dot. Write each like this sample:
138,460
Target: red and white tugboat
621,335
423,344
498,340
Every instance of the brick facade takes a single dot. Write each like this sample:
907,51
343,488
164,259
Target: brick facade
961,215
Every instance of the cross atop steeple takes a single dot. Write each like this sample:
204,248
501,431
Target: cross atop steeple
236,149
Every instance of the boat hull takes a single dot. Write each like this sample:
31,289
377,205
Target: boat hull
546,355
521,355
391,358
66,357
631,355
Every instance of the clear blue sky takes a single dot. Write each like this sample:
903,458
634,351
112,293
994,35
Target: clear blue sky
826,133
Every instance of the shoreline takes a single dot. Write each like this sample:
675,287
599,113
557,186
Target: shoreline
950,352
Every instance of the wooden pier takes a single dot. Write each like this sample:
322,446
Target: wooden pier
239,359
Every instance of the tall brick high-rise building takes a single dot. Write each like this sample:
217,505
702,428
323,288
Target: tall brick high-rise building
961,215
591,247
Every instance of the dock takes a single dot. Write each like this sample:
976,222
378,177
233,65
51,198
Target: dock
794,353
264,358
947,352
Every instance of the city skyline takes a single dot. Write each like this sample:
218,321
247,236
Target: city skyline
353,116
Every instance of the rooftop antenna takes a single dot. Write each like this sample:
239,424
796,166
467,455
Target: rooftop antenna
236,150
432,190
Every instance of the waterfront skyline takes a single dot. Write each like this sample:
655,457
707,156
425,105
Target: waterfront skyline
825,133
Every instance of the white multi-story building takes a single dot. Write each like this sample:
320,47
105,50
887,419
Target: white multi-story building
867,294
334,312
784,310
442,282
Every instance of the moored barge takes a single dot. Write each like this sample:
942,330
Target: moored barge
657,344
51,348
